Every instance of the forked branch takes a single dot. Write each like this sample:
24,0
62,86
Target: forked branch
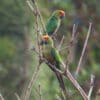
69,76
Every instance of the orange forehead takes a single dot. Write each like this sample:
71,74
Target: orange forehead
62,13
46,37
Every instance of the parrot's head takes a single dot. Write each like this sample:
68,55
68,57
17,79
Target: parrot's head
59,13
46,40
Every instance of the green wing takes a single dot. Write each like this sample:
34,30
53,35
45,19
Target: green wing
56,56
52,25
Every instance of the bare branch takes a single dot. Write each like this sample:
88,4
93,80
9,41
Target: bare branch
31,7
83,51
58,97
63,48
35,50
72,41
36,13
1,97
91,87
17,96
68,75
40,92
38,39
40,16
31,83
61,42
76,84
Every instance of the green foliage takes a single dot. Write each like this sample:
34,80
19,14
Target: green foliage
7,53
14,34
7,49
16,29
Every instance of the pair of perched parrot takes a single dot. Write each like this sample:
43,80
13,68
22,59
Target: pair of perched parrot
49,51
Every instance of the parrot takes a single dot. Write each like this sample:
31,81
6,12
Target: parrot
51,54
54,22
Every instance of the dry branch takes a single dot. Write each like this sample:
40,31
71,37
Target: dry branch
1,97
17,96
83,51
31,7
61,42
39,14
68,75
76,84
91,87
36,12
72,41
31,83
40,96
38,37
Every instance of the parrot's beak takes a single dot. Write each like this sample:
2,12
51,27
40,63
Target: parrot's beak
61,17
43,42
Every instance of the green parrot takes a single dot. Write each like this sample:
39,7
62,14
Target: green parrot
54,22
51,54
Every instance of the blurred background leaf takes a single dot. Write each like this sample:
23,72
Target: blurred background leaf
17,36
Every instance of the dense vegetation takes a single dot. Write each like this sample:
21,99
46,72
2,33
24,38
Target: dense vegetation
17,36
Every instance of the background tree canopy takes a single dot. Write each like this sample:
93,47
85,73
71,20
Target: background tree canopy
17,36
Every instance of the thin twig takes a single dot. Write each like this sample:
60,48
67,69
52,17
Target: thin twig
40,16
40,96
91,87
83,51
35,50
64,48
31,7
31,83
38,91
76,84
73,38
17,96
58,97
1,97
68,46
36,12
61,42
